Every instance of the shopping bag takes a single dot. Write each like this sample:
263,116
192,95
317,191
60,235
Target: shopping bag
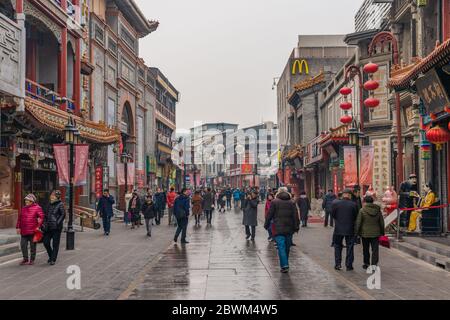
38,236
384,242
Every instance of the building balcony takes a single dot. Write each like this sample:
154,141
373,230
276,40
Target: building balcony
47,96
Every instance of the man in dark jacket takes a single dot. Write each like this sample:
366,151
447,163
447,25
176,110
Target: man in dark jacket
407,193
181,211
285,220
160,201
250,218
327,205
228,195
149,212
105,209
305,206
53,226
356,197
344,212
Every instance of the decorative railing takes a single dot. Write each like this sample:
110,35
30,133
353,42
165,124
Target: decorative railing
165,112
42,93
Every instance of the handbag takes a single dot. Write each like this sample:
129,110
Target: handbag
38,236
384,242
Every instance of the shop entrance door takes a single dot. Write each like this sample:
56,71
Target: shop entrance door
39,182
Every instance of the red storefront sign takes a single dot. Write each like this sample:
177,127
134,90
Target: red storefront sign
99,181
246,169
61,152
81,164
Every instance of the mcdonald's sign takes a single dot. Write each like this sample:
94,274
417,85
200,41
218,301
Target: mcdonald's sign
298,65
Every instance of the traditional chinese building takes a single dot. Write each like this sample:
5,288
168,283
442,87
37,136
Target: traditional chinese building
41,87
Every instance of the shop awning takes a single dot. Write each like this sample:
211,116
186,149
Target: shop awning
50,118
164,149
338,135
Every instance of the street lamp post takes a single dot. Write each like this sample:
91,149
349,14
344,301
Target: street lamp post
72,138
356,138
125,157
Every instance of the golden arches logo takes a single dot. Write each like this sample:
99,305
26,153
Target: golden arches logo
298,65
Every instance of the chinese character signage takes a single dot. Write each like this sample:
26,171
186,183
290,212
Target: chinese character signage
381,164
313,151
432,92
98,181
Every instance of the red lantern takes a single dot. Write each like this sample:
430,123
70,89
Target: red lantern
438,136
447,109
345,91
346,105
371,85
346,119
433,116
372,102
371,68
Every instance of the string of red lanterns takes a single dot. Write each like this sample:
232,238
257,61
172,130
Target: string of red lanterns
371,85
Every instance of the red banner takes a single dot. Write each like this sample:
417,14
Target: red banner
351,167
61,152
367,154
140,178
246,169
131,174
197,178
98,182
280,176
81,164
120,174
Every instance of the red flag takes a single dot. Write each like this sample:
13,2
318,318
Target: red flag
120,174
131,174
367,154
61,152
81,164
351,167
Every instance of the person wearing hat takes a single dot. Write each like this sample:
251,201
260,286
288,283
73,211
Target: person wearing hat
53,226
344,212
407,195
30,219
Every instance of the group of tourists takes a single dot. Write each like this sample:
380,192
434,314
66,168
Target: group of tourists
34,226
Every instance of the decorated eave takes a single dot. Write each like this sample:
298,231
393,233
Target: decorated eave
55,120
135,16
294,153
305,85
338,135
402,77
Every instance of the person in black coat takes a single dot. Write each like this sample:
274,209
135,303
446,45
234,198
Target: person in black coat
53,226
327,205
160,203
344,212
105,209
149,212
305,206
134,208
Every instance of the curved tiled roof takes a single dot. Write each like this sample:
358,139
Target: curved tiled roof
401,78
55,120
339,134
309,83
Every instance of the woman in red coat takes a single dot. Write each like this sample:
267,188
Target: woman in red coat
30,219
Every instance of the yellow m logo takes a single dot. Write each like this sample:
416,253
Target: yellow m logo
299,64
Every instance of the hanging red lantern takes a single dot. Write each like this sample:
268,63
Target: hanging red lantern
372,102
371,68
438,136
345,91
447,109
346,119
346,105
371,85
433,116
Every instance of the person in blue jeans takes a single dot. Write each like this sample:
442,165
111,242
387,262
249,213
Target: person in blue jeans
181,209
284,216
105,210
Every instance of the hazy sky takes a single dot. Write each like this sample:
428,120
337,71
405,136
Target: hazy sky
223,55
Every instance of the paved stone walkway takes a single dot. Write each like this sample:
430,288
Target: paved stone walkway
218,264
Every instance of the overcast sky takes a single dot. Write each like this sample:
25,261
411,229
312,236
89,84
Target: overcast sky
222,55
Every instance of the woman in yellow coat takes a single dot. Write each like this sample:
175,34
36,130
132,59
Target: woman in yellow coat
425,202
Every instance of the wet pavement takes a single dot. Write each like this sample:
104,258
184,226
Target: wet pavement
219,263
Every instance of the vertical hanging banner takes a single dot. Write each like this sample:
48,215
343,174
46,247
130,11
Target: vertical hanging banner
98,181
81,164
131,174
197,180
120,174
61,152
105,177
351,167
367,156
